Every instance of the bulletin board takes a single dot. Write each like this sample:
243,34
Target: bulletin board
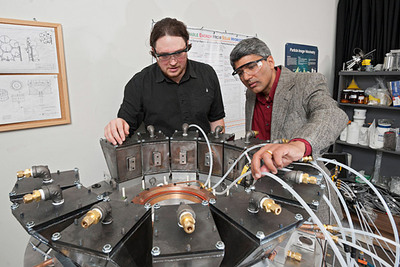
33,83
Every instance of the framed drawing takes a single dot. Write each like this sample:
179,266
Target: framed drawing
33,82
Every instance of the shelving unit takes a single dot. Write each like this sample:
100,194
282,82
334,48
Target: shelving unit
376,162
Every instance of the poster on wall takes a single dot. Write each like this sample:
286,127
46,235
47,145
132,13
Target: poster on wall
301,58
214,48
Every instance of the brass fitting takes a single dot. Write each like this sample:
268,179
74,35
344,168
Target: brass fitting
307,159
306,179
294,255
188,222
27,173
35,196
269,205
92,217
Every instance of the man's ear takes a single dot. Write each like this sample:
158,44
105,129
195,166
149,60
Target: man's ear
152,52
271,62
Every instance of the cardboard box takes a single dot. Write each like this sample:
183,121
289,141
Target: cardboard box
394,88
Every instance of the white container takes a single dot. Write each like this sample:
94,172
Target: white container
359,121
363,136
343,135
381,129
359,113
352,133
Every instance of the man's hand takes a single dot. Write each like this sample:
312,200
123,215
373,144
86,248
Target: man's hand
276,156
116,131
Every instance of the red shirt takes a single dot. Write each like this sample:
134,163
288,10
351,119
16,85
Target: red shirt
263,113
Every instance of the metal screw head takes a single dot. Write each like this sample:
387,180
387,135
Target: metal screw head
155,251
12,193
30,224
260,234
56,236
107,248
106,199
315,202
157,206
14,206
204,203
147,206
298,217
212,201
100,197
220,245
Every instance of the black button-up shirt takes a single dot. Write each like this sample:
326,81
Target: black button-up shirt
154,99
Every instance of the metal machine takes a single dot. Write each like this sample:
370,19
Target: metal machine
168,204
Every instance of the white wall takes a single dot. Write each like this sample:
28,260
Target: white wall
106,42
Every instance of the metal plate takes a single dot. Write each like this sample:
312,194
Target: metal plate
218,157
196,249
155,157
311,193
184,156
25,186
44,213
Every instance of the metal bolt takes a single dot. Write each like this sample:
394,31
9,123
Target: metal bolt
107,248
30,224
204,203
212,201
12,193
147,206
260,234
220,245
298,217
157,206
14,206
106,199
100,197
56,236
79,185
315,202
188,247
155,251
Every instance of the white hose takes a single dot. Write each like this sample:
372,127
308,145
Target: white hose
369,253
209,150
312,214
236,161
356,231
389,213
343,202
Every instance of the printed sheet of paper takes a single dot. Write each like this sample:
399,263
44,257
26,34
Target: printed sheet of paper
27,49
214,48
28,98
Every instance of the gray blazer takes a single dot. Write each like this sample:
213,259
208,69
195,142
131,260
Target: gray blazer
302,108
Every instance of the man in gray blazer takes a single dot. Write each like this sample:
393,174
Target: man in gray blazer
281,104
284,104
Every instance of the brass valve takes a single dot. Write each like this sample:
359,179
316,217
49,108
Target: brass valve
92,217
294,255
269,205
35,196
186,218
27,173
188,222
307,159
306,179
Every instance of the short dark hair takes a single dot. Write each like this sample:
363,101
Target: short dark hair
250,46
168,26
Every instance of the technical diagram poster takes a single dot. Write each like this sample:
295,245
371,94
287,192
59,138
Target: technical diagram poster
28,98
301,58
27,49
213,48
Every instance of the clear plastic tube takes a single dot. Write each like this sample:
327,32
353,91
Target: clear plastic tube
389,213
343,202
209,150
234,164
311,213
369,253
